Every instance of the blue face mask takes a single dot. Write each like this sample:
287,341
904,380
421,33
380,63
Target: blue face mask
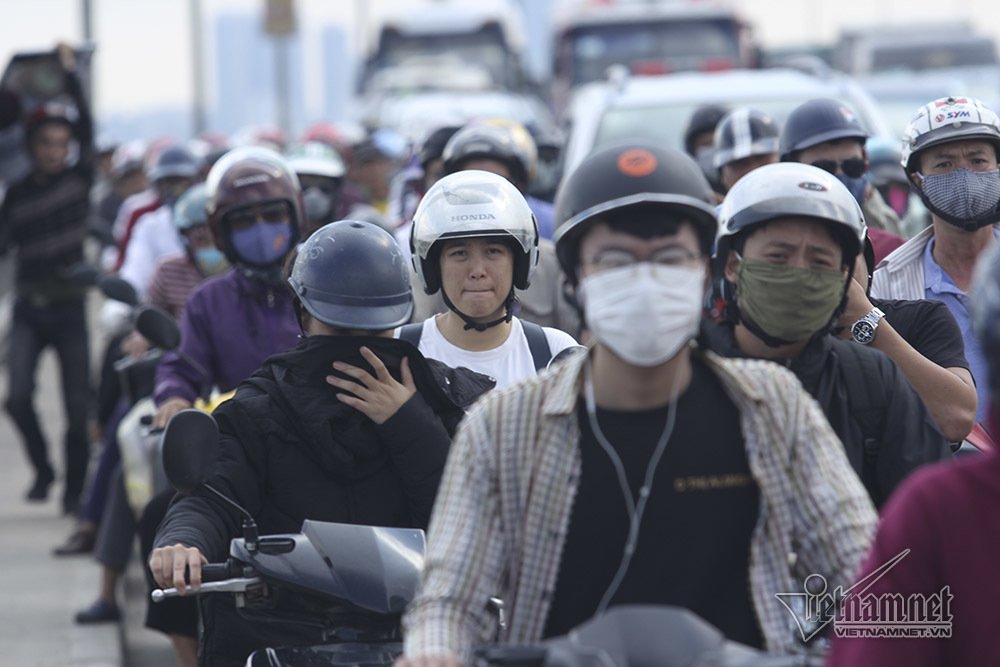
857,186
210,261
262,243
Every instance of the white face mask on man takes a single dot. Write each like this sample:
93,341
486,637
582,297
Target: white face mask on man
644,312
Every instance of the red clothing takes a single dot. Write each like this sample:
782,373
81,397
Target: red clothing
948,515
883,243
130,225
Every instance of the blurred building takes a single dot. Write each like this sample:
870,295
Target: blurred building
244,75
339,71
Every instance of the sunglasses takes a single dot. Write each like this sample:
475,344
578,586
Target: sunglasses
272,213
853,167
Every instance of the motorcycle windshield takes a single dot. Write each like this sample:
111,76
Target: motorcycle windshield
371,567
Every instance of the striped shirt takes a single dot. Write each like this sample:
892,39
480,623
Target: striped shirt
503,509
174,278
46,217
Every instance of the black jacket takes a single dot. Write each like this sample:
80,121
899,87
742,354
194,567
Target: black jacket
908,434
289,450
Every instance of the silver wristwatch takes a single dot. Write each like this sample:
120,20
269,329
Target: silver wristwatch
863,330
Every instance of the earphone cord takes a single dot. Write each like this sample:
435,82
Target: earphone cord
635,510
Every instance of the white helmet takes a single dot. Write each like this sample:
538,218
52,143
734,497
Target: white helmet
468,204
791,189
314,158
948,119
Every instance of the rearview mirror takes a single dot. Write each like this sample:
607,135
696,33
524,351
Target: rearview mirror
190,448
118,289
158,328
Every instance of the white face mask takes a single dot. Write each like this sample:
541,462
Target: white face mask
644,312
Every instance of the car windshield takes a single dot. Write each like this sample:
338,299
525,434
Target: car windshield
969,53
654,47
666,123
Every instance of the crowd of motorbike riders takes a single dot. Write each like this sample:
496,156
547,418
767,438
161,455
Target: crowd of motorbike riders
690,377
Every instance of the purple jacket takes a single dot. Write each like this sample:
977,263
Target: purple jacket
231,324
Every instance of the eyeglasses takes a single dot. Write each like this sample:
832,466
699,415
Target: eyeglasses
606,260
272,213
853,167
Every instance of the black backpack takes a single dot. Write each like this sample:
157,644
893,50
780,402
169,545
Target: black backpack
538,344
867,402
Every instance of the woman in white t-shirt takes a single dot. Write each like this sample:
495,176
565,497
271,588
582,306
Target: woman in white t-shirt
475,239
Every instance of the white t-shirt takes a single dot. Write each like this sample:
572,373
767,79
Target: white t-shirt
509,363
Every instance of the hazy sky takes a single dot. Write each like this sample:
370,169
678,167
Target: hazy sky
144,48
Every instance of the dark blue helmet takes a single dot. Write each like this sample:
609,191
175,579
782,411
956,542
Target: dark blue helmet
818,121
174,162
353,275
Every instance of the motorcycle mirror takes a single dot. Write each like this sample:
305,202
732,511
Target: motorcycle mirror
190,447
82,273
118,289
158,328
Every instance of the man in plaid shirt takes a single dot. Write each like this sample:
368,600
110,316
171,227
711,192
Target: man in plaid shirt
647,471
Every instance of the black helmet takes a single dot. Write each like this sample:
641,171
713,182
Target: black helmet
432,147
510,144
818,121
174,162
631,176
353,275
743,133
704,119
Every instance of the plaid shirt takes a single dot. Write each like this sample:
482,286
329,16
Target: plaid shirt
503,509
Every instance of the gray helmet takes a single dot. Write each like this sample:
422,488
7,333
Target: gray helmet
191,208
353,275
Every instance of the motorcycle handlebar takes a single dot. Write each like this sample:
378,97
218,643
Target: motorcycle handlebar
217,571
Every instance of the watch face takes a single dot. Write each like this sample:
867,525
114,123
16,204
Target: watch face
863,332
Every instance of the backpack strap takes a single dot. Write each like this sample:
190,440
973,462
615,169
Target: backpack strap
538,344
412,333
867,402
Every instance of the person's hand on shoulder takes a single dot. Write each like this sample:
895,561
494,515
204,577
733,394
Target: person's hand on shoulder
376,396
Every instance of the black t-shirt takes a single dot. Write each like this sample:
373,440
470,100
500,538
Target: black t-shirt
694,543
929,327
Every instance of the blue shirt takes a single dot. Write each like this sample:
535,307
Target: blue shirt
544,214
939,286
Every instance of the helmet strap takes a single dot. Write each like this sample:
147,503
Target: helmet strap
482,326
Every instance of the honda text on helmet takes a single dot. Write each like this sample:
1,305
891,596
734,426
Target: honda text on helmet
950,151
473,204
254,209
643,310
778,302
352,275
744,140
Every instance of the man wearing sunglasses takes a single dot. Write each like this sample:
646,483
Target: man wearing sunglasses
826,133
919,338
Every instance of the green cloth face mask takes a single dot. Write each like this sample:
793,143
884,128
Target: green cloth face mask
788,303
